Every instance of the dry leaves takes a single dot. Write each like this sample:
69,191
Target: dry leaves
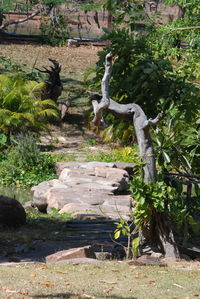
178,285
140,276
85,296
46,283
108,282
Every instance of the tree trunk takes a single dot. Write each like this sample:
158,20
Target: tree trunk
158,230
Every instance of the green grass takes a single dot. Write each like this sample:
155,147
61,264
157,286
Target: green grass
108,280
121,154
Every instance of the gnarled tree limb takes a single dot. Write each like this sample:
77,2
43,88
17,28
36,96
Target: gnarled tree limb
13,22
158,229
130,112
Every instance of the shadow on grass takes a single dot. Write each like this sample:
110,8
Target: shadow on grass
69,295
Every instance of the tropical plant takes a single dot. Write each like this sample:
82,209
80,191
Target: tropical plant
21,107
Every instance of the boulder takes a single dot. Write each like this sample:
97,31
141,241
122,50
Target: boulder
86,187
58,197
147,260
40,193
106,211
74,253
71,165
12,213
129,167
79,208
119,176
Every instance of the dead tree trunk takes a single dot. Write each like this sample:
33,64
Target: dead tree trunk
54,85
158,230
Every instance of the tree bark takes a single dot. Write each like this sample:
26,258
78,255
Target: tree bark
158,229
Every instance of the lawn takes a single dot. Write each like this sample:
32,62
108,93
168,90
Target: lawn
114,280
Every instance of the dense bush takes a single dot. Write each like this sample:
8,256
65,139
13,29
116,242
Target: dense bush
22,164
21,107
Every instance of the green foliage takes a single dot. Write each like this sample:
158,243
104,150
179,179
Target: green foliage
55,34
122,154
191,10
22,164
21,107
177,140
125,228
149,198
10,67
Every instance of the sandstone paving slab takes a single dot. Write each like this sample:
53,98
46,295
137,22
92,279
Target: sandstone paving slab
73,253
86,187
81,261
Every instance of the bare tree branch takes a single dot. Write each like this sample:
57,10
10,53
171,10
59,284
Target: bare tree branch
12,22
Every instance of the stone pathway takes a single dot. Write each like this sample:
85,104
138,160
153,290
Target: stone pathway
97,233
95,188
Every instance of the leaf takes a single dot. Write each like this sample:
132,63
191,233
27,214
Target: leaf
117,234
151,282
85,296
177,285
108,282
46,283
167,158
140,276
135,245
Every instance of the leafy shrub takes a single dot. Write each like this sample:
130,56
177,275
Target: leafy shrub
23,164
122,154
21,107
8,66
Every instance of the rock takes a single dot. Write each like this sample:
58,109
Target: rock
94,164
129,167
119,176
73,43
61,139
118,200
81,208
82,260
87,216
40,193
12,213
74,253
86,187
102,256
157,255
58,197
71,165
147,260
106,211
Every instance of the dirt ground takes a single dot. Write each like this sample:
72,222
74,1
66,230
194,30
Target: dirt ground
74,61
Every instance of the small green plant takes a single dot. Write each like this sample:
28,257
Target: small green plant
125,228
122,154
22,164
149,198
